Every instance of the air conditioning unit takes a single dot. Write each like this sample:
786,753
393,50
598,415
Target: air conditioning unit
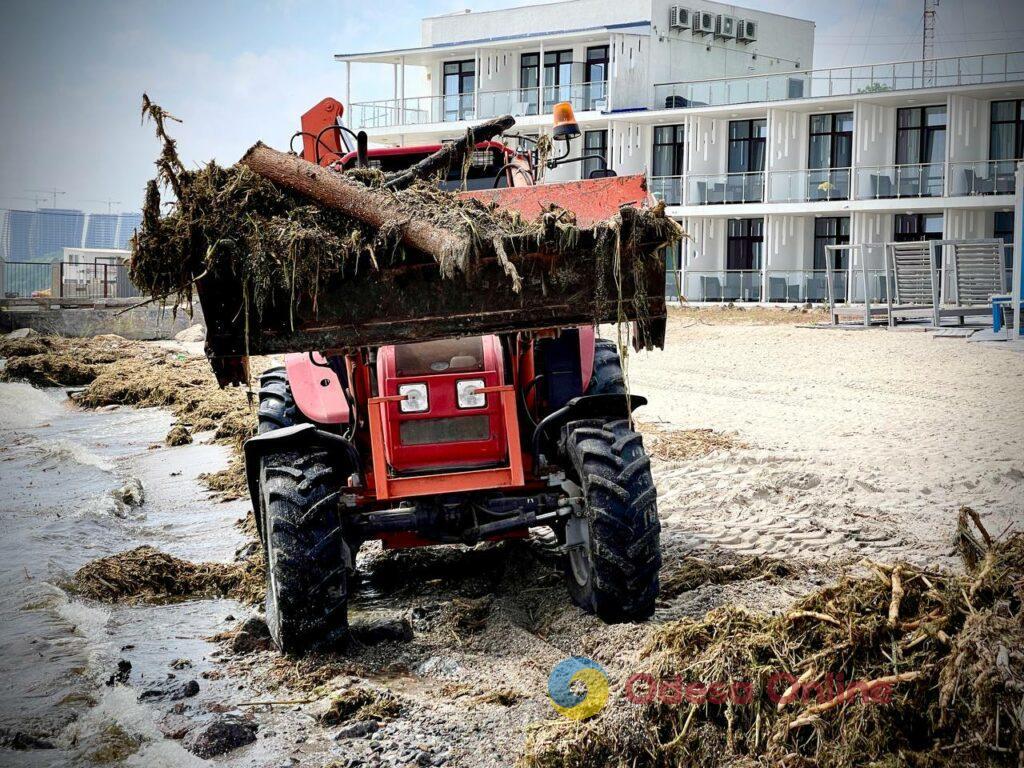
746,31
725,26
703,23
679,18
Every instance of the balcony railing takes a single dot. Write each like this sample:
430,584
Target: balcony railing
809,185
722,285
803,285
19,279
984,177
421,110
843,81
667,188
714,189
881,182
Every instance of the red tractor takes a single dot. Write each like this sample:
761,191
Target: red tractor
453,441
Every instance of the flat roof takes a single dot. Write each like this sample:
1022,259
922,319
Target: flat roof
637,27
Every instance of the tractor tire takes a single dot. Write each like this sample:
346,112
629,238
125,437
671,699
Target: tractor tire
277,407
307,558
607,378
614,546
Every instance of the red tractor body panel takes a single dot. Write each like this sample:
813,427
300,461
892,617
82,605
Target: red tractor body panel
316,388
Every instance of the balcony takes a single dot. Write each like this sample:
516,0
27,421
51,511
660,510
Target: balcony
886,182
809,185
842,81
803,285
985,177
519,102
667,188
718,189
722,285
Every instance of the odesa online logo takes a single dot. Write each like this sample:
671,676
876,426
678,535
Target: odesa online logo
584,672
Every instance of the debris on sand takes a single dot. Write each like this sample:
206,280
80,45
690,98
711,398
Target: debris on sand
178,435
50,369
691,572
220,735
670,444
361,703
904,661
145,574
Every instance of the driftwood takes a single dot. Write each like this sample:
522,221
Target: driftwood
452,153
376,207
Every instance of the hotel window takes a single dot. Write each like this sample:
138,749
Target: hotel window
529,81
831,144
459,85
920,135
745,244
669,150
1006,138
557,77
596,76
1002,228
594,143
747,145
911,227
831,230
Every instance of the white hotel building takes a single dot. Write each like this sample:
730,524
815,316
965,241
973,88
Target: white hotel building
762,158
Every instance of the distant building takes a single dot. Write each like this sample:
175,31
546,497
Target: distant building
101,230
127,224
16,234
53,230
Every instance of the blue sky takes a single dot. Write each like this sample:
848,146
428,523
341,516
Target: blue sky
73,73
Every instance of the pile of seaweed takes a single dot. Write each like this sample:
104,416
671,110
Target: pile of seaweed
145,574
234,225
904,666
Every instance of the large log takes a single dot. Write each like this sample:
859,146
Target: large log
331,189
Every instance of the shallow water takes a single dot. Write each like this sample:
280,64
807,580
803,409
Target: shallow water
58,468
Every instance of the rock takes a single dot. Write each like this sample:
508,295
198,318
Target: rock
21,741
181,664
179,435
252,635
124,670
174,726
436,666
255,626
21,333
192,334
219,736
131,493
384,630
170,691
357,730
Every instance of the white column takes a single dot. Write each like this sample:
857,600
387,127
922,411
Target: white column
1018,249
476,83
401,91
540,80
348,83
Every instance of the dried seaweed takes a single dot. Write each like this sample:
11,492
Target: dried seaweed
943,648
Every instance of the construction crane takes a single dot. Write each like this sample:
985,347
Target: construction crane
52,191
109,203
928,42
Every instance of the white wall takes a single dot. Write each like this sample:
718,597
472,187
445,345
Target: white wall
789,242
967,129
630,71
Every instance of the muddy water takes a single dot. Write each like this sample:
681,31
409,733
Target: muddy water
58,469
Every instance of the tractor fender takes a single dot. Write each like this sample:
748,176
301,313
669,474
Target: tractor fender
298,437
316,388
584,407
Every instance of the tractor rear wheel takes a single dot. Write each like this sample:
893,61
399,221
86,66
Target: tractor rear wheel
614,551
307,559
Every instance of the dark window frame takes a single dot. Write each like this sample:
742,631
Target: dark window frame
528,92
833,136
917,230
1004,233
553,91
1017,121
741,239
676,147
836,232
751,145
589,165
465,70
924,131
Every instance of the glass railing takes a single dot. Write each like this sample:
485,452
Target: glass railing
809,185
667,188
673,284
722,285
983,177
714,189
843,81
875,286
897,181
420,110
803,285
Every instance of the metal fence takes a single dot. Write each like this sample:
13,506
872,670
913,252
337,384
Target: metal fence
20,280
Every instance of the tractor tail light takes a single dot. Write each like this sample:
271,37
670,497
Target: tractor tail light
415,398
468,396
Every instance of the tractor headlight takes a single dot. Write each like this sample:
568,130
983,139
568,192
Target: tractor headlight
468,395
415,398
